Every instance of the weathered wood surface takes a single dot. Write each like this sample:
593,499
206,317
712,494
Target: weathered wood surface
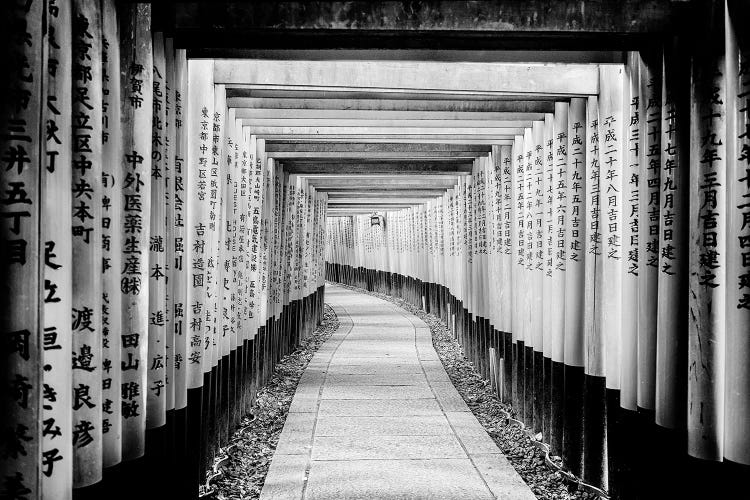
112,213
540,15
400,76
56,191
87,245
737,398
293,105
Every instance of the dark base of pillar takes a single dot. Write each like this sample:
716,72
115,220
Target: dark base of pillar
557,407
573,419
547,399
595,434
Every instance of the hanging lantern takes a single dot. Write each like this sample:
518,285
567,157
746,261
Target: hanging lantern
377,220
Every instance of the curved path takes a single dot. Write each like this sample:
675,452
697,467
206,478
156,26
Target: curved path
375,416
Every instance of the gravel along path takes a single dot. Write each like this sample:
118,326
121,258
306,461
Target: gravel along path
514,442
244,472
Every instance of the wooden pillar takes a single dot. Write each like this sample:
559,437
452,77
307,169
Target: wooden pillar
179,266
213,335
86,129
594,344
112,183
170,139
578,234
707,242
176,345
56,173
518,271
633,175
494,240
648,239
737,375
548,293
157,272
136,120
22,45
469,296
255,206
136,86
527,355
241,314
613,184
624,440
650,73
536,302
226,279
320,232
200,112
482,266
558,238
451,256
506,267
671,349
240,265
611,132
303,256
266,222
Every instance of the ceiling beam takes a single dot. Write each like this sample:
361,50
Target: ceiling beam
369,114
356,147
565,16
486,56
415,178
423,25
376,200
374,206
403,182
410,139
432,77
324,184
394,168
236,98
374,155
402,139
505,132
378,123
350,93
385,193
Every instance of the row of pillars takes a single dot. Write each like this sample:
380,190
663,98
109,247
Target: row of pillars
603,260
155,264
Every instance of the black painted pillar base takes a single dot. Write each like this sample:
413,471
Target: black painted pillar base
595,431
538,396
508,367
528,386
547,399
573,419
557,409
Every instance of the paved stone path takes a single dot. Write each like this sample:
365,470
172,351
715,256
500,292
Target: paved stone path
375,416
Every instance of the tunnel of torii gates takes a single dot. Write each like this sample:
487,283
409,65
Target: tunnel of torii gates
579,218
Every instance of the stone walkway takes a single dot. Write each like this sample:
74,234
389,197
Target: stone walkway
375,416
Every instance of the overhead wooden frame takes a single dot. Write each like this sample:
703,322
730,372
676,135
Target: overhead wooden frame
391,168
332,102
409,76
226,29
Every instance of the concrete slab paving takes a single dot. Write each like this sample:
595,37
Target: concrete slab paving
379,407
371,447
404,425
376,392
375,416
340,379
396,479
